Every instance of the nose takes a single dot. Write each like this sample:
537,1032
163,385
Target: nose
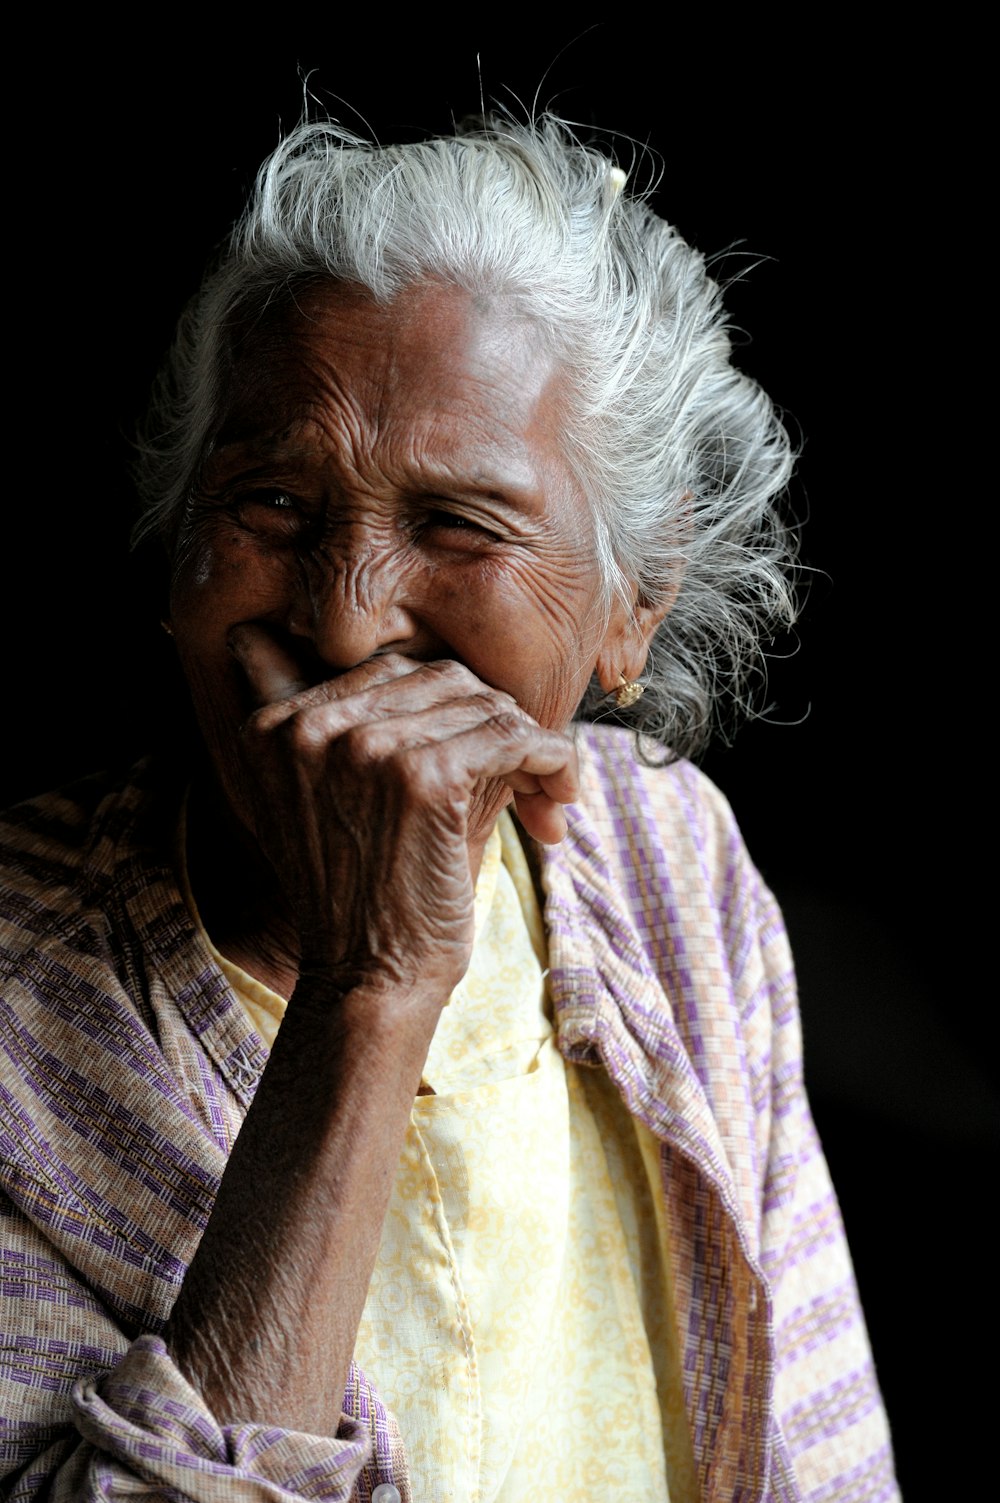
357,602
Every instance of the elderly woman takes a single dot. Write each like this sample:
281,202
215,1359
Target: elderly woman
404,1099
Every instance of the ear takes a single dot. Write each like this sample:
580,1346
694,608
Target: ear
626,642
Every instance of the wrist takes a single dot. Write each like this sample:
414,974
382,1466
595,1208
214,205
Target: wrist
362,1022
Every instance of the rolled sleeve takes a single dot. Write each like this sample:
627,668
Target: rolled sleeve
145,1423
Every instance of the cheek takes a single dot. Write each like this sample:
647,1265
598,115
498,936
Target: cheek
216,585
197,596
213,588
564,635
531,630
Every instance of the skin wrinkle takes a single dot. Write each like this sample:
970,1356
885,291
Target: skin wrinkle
387,605
363,478
346,589
338,416
546,591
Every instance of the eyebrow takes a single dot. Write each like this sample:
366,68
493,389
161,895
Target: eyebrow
261,451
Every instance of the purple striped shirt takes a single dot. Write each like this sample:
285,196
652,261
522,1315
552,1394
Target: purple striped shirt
127,1066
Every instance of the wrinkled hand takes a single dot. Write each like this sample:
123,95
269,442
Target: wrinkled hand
371,794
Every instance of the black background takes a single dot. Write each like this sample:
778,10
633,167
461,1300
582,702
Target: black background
818,168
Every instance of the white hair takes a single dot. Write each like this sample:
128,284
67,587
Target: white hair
680,455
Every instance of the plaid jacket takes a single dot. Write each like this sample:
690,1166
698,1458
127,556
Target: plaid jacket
126,1067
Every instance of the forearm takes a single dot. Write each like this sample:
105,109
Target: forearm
370,795
266,1320
136,1420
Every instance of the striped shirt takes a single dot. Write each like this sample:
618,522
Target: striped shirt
126,1067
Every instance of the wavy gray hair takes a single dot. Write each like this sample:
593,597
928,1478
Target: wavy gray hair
681,456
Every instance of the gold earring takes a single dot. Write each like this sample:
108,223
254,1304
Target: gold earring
628,692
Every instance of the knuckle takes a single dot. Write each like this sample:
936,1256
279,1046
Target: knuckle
259,726
374,670
424,788
451,672
501,703
357,745
511,724
421,770
302,735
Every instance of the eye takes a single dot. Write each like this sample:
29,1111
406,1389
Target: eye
271,512
457,527
449,519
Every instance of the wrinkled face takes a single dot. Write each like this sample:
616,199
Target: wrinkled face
392,479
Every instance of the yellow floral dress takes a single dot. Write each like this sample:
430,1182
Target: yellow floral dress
519,1321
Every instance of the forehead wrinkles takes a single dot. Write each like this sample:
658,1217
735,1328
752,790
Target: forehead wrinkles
430,336
438,377
282,392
